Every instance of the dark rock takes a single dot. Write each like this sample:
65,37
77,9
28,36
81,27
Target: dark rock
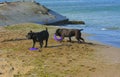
76,22
64,22
59,22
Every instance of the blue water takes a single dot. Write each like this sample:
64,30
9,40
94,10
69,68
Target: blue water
102,17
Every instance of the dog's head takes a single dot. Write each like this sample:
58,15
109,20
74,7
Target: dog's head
29,35
58,32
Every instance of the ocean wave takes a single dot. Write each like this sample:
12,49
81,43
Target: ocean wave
111,28
103,28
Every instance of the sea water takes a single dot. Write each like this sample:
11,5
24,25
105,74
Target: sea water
102,17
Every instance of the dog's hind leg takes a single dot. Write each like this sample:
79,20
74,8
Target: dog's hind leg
78,40
41,44
46,42
70,39
82,39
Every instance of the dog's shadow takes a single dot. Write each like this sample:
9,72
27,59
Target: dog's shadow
88,43
54,46
58,45
69,44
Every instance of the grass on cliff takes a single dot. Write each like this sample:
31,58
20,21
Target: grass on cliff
57,60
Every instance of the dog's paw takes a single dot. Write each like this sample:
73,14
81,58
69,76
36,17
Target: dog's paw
39,50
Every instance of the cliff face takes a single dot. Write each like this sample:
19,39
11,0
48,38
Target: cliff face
27,12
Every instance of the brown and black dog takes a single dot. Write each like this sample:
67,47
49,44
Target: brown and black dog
70,33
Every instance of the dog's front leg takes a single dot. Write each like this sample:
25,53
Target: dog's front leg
70,39
62,36
33,44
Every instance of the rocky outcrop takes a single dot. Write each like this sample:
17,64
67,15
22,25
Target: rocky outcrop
30,12
75,22
64,22
27,12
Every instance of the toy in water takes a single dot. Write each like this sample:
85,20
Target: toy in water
33,49
57,39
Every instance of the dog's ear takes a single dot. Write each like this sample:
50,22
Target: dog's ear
60,30
46,29
57,31
31,31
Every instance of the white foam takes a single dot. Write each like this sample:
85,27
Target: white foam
103,29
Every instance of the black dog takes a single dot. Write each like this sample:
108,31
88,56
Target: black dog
38,37
70,33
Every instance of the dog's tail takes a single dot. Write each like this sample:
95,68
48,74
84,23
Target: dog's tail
81,29
46,29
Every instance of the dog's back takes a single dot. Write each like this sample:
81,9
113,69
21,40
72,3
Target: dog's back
43,35
72,32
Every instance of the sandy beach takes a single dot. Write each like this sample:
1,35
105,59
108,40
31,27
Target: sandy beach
90,59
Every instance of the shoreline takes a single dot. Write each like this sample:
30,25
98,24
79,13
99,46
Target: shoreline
104,42
94,37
